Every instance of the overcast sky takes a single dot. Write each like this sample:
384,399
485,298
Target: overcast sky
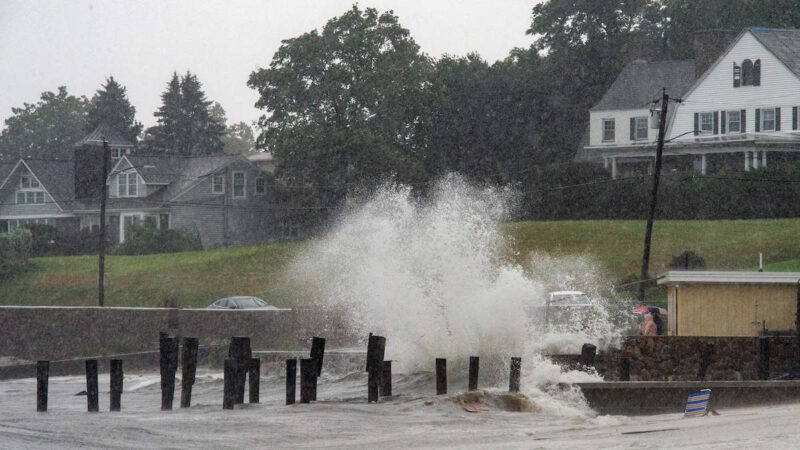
45,44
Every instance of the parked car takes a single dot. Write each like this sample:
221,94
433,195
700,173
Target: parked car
240,302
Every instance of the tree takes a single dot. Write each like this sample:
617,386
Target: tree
110,104
186,125
343,105
46,129
239,139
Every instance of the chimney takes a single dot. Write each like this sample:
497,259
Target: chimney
708,46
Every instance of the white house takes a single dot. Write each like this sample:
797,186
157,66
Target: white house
738,108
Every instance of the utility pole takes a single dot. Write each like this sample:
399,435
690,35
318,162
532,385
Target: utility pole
648,233
102,269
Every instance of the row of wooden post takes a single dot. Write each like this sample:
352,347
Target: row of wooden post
310,371
515,371
92,392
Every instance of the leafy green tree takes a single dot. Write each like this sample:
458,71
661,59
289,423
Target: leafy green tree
239,139
46,129
110,104
186,125
343,106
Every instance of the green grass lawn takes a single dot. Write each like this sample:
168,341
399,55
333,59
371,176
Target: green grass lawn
197,278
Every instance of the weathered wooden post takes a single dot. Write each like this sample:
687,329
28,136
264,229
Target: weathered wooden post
254,376
168,348
92,400
239,350
308,377
229,384
189,370
474,363
705,360
376,348
42,377
115,391
514,373
441,376
625,369
588,352
386,379
318,352
291,380
762,366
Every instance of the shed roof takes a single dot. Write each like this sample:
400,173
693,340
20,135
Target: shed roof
720,277
640,82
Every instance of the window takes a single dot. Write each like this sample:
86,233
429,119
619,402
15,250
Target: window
17,223
640,129
734,119
218,184
707,123
127,185
30,191
116,153
163,221
28,182
768,119
608,130
238,185
261,186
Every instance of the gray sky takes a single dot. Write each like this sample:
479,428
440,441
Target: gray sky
45,44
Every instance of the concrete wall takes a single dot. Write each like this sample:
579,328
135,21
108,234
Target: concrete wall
68,332
733,310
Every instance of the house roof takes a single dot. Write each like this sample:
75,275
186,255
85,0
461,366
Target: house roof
714,277
783,43
104,131
57,177
5,170
640,82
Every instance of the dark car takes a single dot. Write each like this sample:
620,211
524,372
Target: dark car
240,302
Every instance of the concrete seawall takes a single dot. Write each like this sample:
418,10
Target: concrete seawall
57,333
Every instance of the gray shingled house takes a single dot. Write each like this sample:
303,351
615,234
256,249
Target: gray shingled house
223,199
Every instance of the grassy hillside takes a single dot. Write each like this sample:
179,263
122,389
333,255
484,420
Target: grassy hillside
197,278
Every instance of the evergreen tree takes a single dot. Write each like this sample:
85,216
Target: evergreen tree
186,125
110,104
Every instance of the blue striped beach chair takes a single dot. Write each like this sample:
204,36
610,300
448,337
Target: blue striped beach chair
697,404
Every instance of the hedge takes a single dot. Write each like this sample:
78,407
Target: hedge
15,250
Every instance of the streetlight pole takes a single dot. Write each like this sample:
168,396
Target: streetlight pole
648,233
102,260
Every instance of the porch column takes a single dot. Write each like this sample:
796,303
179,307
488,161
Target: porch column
703,164
614,167
764,159
605,163
755,160
746,161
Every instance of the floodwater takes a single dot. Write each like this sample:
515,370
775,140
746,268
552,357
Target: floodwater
414,418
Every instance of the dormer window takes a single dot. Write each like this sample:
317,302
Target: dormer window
127,185
117,153
30,191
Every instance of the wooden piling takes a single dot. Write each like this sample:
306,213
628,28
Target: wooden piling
291,380
241,352
42,378
308,377
115,391
625,369
92,400
189,370
318,352
588,352
229,384
514,374
376,347
254,376
474,364
441,376
386,379
762,365
168,348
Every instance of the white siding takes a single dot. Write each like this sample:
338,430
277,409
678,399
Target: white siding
622,120
779,88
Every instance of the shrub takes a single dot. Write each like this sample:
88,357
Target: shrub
15,250
688,260
51,241
146,239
